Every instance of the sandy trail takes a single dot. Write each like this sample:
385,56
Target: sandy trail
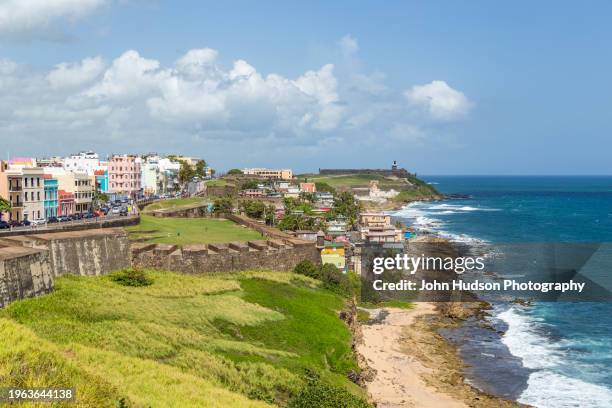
398,382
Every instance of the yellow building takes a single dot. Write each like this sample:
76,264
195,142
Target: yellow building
278,174
374,219
334,255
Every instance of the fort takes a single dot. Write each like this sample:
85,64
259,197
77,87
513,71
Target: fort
394,171
30,263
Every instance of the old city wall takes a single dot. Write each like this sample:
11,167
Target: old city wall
273,255
29,263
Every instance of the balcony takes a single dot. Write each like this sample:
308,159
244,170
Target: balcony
15,189
18,204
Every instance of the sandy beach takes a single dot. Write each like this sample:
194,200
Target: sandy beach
414,366
399,377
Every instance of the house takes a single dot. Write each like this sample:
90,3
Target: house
25,190
253,193
306,235
101,177
308,188
334,253
51,203
66,202
337,227
380,234
292,192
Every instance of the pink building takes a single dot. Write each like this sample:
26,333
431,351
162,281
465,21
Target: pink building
124,176
308,188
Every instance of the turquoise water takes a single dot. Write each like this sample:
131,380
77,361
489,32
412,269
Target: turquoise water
565,349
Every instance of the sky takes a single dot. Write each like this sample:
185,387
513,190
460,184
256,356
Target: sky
443,87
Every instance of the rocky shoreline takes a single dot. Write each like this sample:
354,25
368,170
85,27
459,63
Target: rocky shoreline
425,353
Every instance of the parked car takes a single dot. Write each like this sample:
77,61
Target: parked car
41,221
52,220
116,210
64,218
4,225
124,211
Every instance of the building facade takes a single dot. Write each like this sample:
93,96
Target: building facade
26,193
277,174
124,175
66,202
101,179
81,186
51,202
83,162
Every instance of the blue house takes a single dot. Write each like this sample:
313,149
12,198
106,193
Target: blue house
51,202
102,181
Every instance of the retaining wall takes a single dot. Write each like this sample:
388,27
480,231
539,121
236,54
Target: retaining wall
234,256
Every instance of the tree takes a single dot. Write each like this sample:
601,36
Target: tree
309,197
98,199
254,209
347,205
186,172
5,206
223,205
249,185
200,168
323,187
234,172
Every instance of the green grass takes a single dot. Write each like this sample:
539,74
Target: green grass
217,341
396,303
184,231
175,203
216,183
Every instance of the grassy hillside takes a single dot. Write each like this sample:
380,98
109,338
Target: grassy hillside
247,340
184,231
410,189
175,203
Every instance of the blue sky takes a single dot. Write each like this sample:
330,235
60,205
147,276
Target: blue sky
442,87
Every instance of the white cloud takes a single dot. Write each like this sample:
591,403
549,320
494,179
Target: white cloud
440,100
76,74
348,45
136,103
27,19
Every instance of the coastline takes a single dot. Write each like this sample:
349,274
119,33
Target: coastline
413,365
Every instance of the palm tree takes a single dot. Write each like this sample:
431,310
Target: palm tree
5,206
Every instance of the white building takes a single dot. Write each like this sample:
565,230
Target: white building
83,162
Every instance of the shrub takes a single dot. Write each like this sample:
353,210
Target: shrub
335,280
307,268
131,277
320,395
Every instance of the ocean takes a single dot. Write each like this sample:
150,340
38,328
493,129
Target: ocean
550,354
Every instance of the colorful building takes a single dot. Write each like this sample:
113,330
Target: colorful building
124,175
51,202
25,193
101,177
279,174
333,253
308,188
80,184
66,202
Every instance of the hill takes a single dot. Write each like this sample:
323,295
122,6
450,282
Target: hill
410,187
253,339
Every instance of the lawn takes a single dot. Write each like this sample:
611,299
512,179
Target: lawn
184,231
175,203
243,340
